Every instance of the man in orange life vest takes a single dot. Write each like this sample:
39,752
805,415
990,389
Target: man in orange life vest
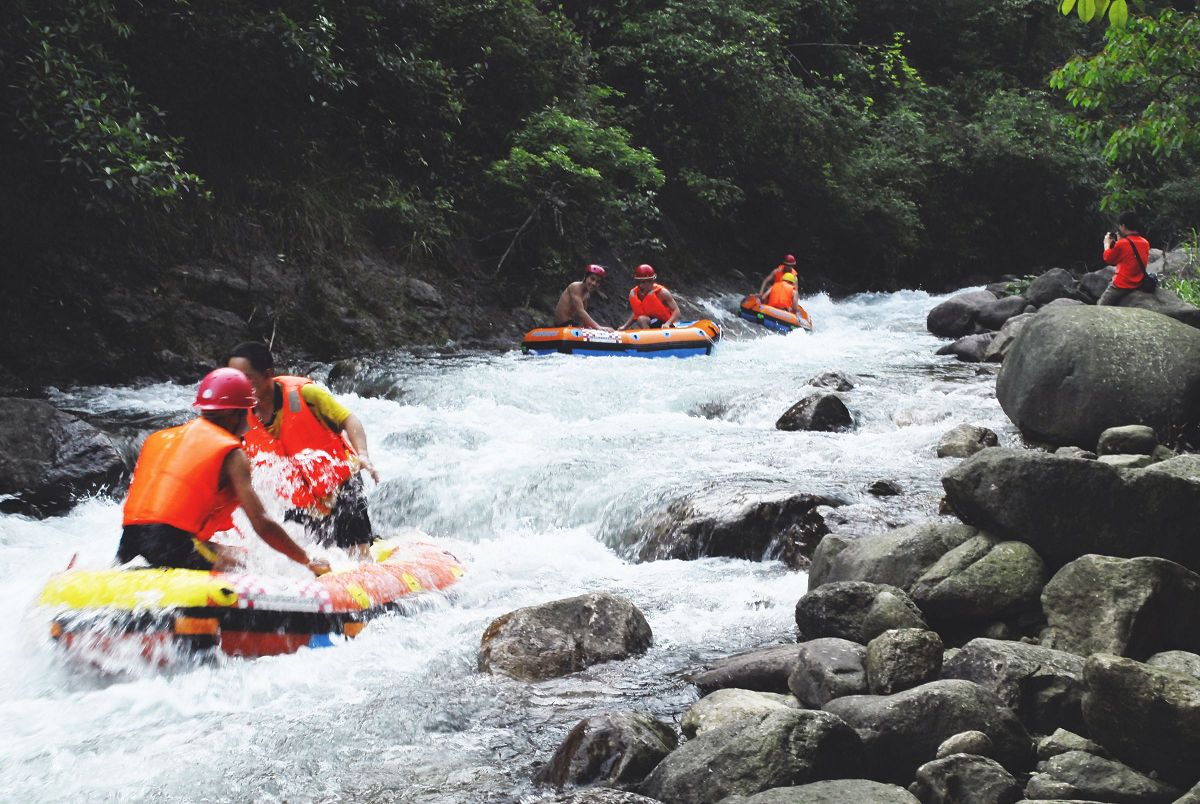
776,275
651,305
782,295
190,479
320,446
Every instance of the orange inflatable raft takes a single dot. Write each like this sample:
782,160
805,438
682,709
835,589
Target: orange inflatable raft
685,339
241,614
772,317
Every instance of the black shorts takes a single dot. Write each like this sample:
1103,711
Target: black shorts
163,546
346,525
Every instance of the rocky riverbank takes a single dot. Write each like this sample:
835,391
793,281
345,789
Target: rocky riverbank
1036,644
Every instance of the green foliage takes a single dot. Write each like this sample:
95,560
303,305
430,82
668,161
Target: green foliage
1018,286
1116,11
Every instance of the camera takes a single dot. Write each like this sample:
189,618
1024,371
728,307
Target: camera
1115,237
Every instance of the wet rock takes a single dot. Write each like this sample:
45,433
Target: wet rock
965,440
1163,302
1177,661
855,610
1062,741
833,380
48,458
1146,717
785,529
1076,774
1058,387
783,749
983,578
616,749
730,706
1044,687
901,659
1129,607
1093,284
563,637
364,377
836,791
965,779
968,742
819,412
826,669
969,348
1097,508
1190,797
955,317
599,795
1127,461
898,557
1131,439
901,732
1057,283
885,488
1003,341
994,314
1075,452
764,670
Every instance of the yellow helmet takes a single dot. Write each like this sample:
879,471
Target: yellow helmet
789,277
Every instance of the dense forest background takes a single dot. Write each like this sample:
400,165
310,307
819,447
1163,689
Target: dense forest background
345,176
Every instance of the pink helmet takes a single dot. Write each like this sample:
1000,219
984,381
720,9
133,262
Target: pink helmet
225,389
789,259
644,271
598,270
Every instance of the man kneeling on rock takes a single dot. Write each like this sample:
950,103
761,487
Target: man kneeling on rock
190,479
1130,253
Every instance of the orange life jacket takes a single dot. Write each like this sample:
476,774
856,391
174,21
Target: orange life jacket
177,480
315,460
781,295
650,305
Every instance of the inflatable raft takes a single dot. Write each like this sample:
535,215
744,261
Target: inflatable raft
240,614
685,339
772,317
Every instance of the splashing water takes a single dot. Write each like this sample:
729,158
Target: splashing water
534,472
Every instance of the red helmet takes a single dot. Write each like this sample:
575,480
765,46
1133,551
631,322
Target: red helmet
644,271
225,389
598,270
789,259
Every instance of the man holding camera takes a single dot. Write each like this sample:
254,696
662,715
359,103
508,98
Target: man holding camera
1129,252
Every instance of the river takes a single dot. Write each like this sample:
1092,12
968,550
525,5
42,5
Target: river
535,473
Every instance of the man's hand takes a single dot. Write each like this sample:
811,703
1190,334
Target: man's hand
608,329
365,463
318,566
1108,241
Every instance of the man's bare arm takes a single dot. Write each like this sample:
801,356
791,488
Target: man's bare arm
237,472
358,439
669,301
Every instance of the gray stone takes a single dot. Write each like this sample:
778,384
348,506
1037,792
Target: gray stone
901,659
819,412
981,579
1062,741
898,557
1075,452
1003,341
965,440
884,488
968,742
1042,686
969,348
1163,302
828,668
764,670
1190,797
1094,283
833,380
1057,283
1146,717
1127,461
835,791
1077,774
730,706
598,795
901,732
828,549
1059,387
563,636
955,317
1177,661
616,749
965,779
1129,607
783,749
855,610
1131,439
994,314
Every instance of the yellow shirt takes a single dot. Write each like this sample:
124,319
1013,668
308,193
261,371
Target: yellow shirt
329,411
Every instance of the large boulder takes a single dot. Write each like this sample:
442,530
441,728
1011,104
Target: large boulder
730,706
969,348
616,749
902,658
898,557
995,314
833,380
1125,606
1147,717
955,317
828,668
818,412
563,636
1000,345
1079,775
901,732
1163,302
1096,508
49,458
779,750
965,779
762,669
1057,283
1073,372
835,791
1177,661
598,795
984,578
1042,686
1132,439
855,610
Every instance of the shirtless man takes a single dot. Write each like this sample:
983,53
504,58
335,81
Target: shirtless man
571,309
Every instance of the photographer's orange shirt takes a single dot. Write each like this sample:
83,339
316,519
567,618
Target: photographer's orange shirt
1129,273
